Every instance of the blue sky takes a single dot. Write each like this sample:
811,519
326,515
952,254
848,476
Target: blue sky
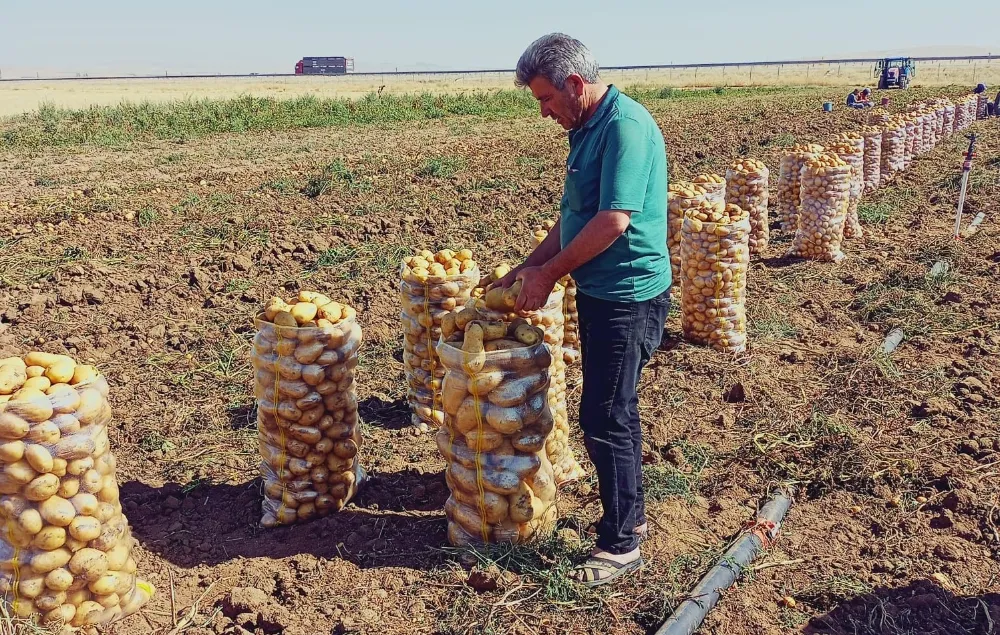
208,36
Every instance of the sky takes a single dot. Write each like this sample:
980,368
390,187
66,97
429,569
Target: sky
66,37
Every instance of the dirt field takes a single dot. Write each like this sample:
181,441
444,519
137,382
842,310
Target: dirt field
151,260
18,97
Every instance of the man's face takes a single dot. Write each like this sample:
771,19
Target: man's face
564,106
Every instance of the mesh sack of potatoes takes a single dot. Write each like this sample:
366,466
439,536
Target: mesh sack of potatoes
304,356
879,116
911,141
927,120
873,157
681,196
850,148
497,420
571,316
973,106
948,128
431,286
65,549
939,120
746,187
497,306
981,101
893,148
964,112
789,174
715,245
826,194
714,186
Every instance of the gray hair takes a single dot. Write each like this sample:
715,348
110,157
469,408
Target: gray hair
555,57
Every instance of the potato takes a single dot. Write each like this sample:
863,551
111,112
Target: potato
20,472
11,451
58,579
12,427
41,383
57,511
85,528
38,458
45,432
42,487
43,562
49,538
79,467
50,601
61,371
90,563
83,373
88,613
92,404
85,504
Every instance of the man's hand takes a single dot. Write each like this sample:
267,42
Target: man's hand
507,280
536,285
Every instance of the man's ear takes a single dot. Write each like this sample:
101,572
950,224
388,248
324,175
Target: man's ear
575,84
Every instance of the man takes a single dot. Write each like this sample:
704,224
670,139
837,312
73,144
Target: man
866,99
612,238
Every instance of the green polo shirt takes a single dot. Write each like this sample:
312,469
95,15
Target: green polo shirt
618,161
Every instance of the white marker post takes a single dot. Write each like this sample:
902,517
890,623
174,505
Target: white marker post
966,168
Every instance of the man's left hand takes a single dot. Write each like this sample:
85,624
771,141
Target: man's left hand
536,285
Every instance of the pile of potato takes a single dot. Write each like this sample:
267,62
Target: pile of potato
497,421
789,174
850,147
715,249
681,196
68,546
893,148
873,157
746,187
431,286
497,306
304,356
879,116
571,316
826,193
714,186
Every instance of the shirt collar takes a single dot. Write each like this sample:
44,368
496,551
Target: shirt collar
602,109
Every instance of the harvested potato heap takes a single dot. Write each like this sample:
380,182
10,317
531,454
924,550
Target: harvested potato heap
873,157
304,356
893,148
431,286
714,186
498,306
746,187
681,196
571,316
850,148
879,116
715,247
788,183
67,549
497,420
826,193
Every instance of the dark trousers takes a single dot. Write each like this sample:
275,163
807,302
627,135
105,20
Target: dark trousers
617,340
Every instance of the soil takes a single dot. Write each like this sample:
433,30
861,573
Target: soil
151,260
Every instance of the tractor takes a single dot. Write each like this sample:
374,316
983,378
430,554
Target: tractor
895,72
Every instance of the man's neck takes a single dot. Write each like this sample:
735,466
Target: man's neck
593,94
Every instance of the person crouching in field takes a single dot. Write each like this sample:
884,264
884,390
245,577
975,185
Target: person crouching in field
612,238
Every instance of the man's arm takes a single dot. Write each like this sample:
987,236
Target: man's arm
597,235
625,170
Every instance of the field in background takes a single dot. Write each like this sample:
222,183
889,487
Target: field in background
18,97
172,224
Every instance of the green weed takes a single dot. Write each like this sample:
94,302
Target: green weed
440,167
147,217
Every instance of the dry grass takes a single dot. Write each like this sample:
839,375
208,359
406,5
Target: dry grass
18,97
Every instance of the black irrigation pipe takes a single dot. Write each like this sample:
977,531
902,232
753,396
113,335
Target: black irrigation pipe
510,71
756,536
